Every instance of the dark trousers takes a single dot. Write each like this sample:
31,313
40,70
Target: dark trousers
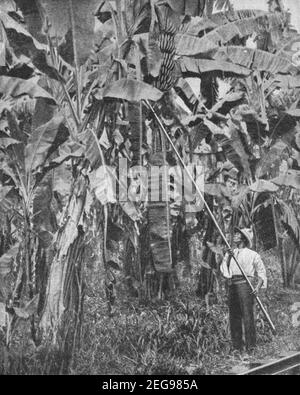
241,311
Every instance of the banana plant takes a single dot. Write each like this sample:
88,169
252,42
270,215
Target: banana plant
29,141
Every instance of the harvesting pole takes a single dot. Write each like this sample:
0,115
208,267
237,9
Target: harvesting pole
263,309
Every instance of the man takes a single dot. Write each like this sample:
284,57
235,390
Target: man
241,298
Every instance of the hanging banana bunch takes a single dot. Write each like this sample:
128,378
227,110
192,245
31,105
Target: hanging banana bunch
169,25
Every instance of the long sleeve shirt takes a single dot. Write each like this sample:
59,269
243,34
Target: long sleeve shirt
249,260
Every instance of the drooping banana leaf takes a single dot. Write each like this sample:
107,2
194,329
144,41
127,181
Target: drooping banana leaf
29,309
195,7
186,7
294,113
230,97
42,140
2,48
66,152
23,43
103,12
191,45
8,6
75,17
151,52
261,186
232,144
131,90
6,142
44,219
241,195
212,6
31,12
16,87
271,158
216,190
186,93
137,16
131,211
255,59
7,259
200,66
3,192
235,152
289,179
103,184
289,218
91,151
223,18
199,24
3,313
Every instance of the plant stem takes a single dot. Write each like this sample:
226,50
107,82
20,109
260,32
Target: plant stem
76,60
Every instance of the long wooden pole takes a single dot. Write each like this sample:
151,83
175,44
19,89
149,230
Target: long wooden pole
266,314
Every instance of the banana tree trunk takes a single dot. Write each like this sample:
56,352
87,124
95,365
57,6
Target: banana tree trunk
65,266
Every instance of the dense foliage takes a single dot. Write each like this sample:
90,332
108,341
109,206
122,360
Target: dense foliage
83,85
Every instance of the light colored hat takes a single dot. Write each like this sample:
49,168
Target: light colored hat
248,235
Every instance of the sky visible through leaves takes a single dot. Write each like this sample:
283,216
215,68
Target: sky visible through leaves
292,5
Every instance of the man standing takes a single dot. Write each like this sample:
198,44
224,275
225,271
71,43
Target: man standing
241,298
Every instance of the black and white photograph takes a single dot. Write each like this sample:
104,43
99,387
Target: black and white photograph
149,190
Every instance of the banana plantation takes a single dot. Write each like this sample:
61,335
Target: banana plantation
135,137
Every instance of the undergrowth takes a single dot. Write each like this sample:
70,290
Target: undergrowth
162,338
181,335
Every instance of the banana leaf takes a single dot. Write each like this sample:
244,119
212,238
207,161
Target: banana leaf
200,66
130,90
289,218
6,142
289,179
42,141
255,59
223,18
8,6
198,24
7,259
23,43
28,310
294,113
271,158
191,46
287,81
195,7
263,186
186,7
4,191
76,18
216,190
33,18
103,184
16,87
2,315
186,93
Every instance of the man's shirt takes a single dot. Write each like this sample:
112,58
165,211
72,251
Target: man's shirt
249,260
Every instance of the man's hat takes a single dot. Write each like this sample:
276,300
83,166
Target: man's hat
247,234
